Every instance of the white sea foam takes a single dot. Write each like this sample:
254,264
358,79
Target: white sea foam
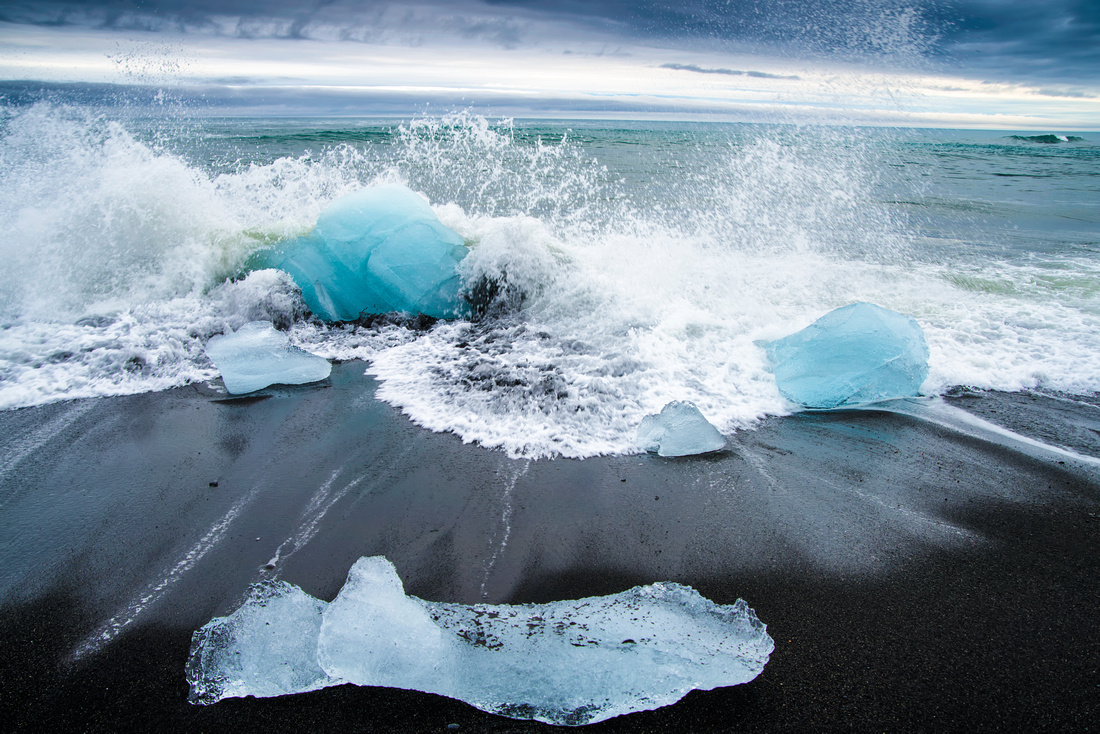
619,293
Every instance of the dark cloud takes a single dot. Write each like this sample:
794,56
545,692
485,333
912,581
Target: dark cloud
727,72
350,20
848,28
851,29
1052,40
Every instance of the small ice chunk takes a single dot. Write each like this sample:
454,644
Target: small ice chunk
855,354
679,430
374,251
256,355
566,663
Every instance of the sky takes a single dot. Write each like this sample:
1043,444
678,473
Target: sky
953,63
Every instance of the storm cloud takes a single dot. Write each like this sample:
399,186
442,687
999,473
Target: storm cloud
925,62
1057,40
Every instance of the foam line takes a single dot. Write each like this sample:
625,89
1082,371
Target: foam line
153,593
319,505
892,510
505,522
940,413
23,447
759,464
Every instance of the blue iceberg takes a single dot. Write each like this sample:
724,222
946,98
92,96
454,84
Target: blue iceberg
375,251
566,663
256,355
679,430
855,354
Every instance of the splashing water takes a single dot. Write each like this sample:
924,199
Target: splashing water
636,263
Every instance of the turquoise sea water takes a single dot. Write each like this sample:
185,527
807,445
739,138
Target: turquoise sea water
646,259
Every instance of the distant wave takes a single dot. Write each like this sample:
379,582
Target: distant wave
1049,139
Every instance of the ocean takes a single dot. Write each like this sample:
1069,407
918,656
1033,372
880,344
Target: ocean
919,563
645,261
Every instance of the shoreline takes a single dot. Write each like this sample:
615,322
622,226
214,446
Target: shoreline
912,576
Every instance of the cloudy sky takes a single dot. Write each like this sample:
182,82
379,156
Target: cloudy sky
983,63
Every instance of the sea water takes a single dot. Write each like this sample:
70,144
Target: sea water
639,262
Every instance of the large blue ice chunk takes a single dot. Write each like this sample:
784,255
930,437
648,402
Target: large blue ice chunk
855,354
567,662
256,355
679,430
374,251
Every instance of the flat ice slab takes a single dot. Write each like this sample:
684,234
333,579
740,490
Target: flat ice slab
568,662
855,354
375,251
257,355
679,430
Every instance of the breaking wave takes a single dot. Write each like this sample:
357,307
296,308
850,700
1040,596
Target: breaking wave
1050,139
639,264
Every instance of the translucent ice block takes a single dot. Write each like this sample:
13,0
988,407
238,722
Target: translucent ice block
377,250
567,662
855,354
679,430
256,355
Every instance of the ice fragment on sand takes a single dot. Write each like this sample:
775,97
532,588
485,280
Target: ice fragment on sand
679,430
568,662
268,647
256,355
855,354
377,250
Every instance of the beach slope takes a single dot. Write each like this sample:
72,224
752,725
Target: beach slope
917,566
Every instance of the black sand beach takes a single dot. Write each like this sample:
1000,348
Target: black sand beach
915,572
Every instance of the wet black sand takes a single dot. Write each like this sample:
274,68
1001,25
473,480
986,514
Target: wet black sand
915,574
